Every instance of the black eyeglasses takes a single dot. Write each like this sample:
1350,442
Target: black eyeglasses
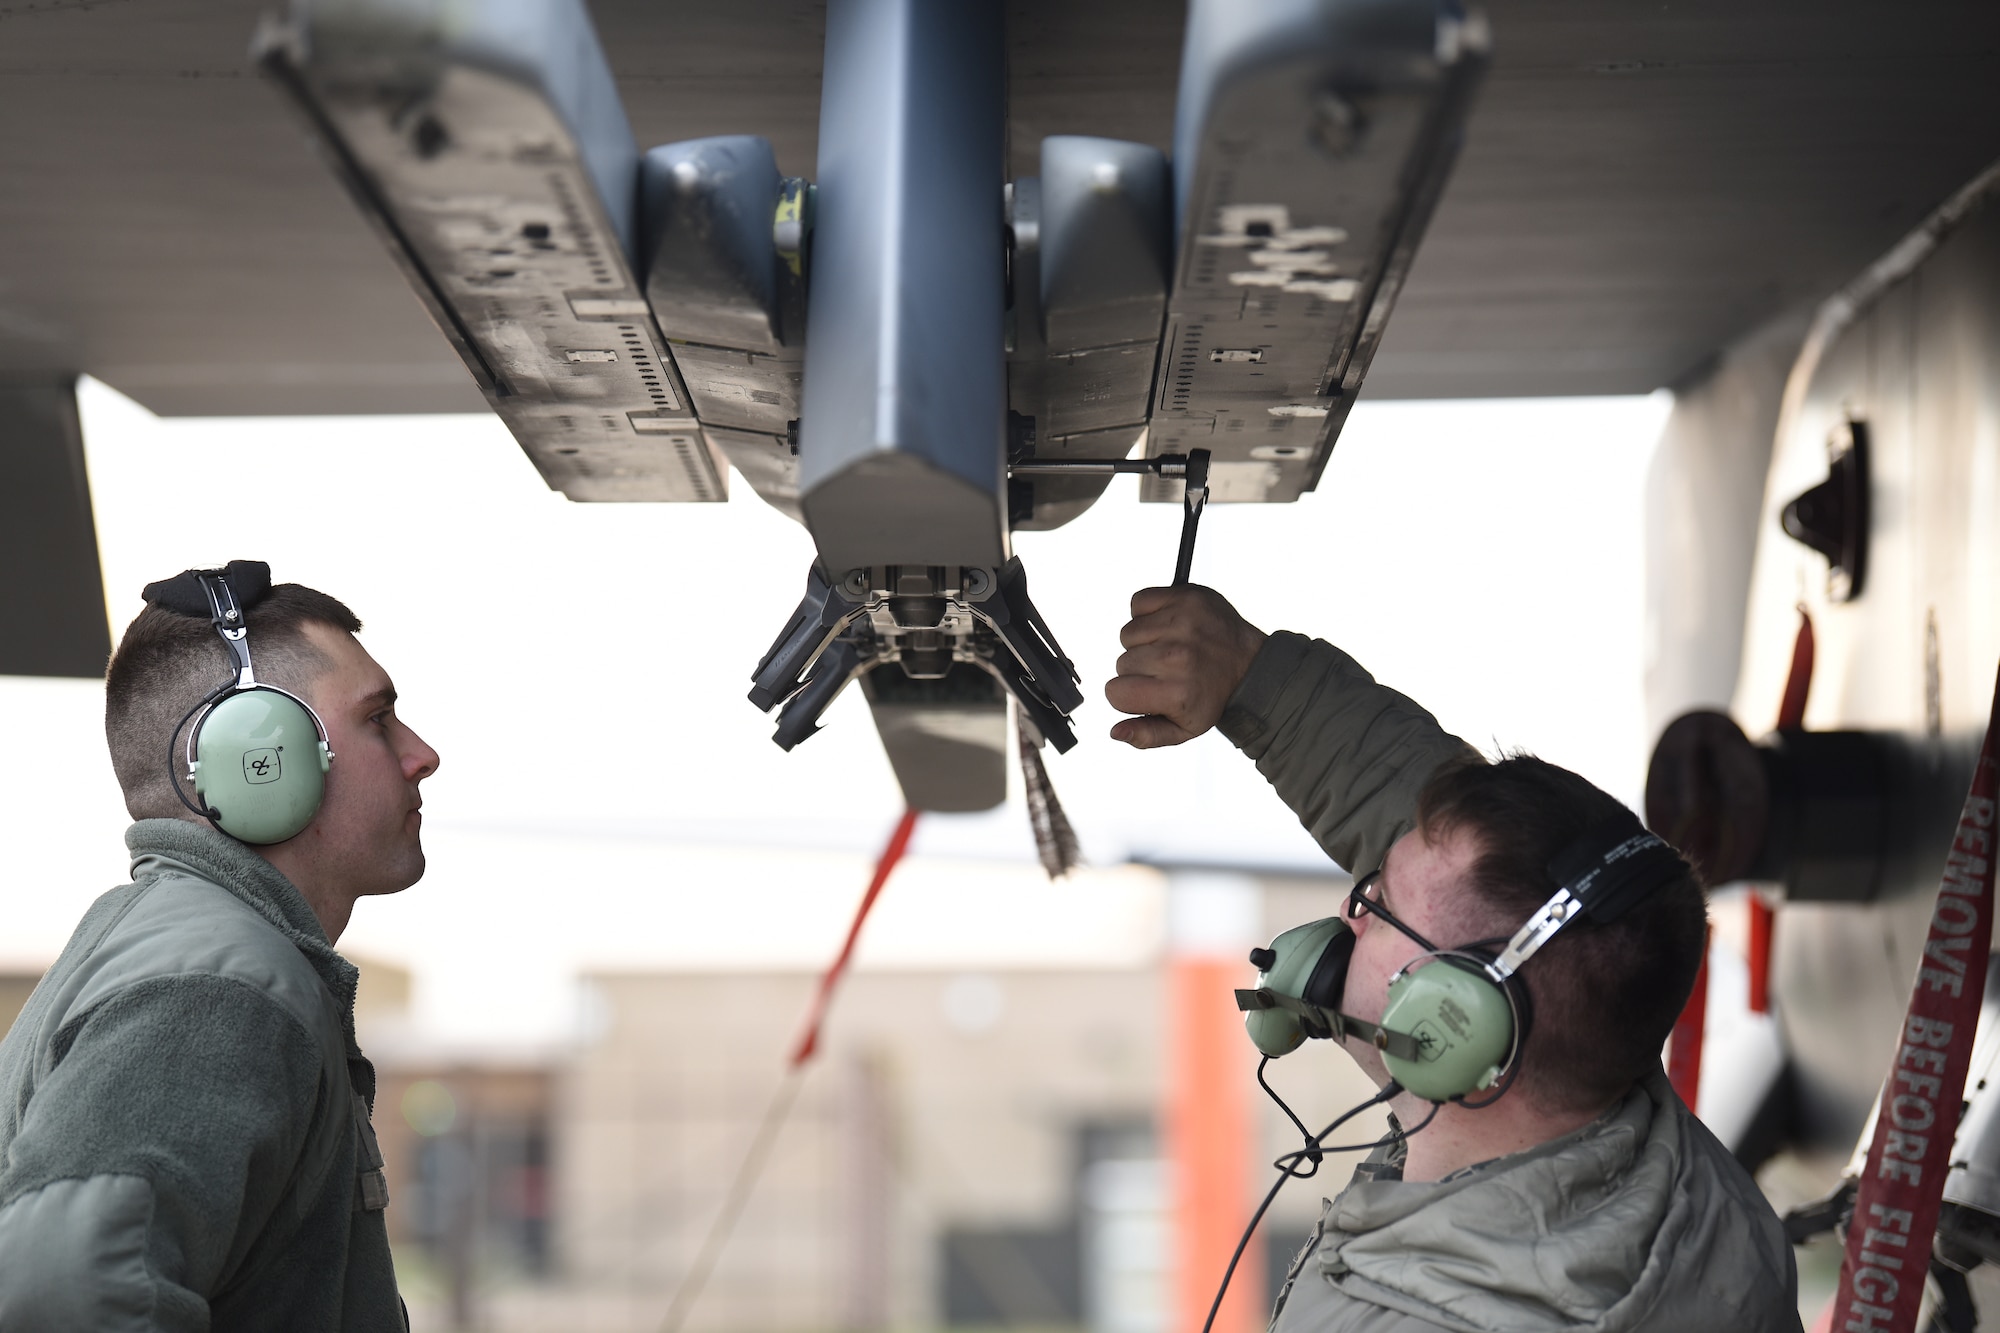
1365,899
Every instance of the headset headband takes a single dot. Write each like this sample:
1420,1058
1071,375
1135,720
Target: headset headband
229,622
1602,875
223,597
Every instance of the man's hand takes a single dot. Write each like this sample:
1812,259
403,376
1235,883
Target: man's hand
1186,651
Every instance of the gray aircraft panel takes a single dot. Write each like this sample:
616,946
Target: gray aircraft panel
1645,183
1640,185
48,538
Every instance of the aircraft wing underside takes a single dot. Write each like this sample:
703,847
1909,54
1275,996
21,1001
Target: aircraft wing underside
980,348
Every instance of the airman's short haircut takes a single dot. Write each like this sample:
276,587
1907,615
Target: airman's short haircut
1604,995
168,662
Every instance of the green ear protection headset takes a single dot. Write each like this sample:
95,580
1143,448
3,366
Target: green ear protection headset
257,755
1456,1018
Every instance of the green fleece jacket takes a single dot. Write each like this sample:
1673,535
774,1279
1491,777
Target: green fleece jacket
184,1132
1640,1222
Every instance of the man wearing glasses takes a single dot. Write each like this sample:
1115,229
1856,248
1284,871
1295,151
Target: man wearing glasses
1588,1196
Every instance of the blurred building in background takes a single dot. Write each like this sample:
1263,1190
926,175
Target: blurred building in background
969,1150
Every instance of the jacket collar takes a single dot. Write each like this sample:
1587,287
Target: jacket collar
1561,1236
179,846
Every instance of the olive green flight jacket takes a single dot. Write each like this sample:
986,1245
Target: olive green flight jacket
184,1131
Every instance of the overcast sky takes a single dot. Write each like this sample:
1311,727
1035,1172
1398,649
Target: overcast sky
608,796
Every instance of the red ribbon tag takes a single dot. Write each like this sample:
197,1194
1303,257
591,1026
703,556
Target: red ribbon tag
1684,1051
1896,1204
829,982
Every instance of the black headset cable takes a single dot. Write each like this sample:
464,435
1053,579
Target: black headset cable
1396,1135
1313,1152
1288,1167
174,777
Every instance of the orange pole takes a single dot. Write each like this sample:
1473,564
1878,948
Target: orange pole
1211,1139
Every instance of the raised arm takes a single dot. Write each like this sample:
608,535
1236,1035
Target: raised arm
1348,756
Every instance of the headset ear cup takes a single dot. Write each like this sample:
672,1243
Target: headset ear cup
1462,1022
260,765
1516,989
1307,962
1275,1032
